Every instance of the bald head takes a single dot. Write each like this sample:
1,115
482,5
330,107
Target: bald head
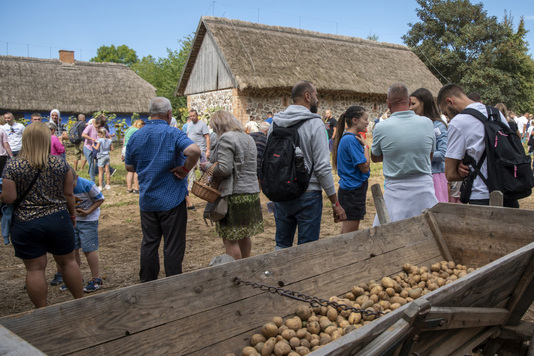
398,98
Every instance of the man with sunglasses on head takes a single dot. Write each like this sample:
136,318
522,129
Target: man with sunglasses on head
14,132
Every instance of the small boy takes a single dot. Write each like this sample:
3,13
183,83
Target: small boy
88,200
103,145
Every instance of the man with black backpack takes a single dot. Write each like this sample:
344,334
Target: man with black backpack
296,168
483,151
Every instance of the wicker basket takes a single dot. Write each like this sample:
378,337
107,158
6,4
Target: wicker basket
206,187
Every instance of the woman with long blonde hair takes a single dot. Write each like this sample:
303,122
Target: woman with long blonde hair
40,186
235,153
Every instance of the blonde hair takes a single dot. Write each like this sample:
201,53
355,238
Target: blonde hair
223,122
138,123
102,132
36,145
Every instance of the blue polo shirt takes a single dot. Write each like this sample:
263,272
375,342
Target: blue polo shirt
153,151
349,155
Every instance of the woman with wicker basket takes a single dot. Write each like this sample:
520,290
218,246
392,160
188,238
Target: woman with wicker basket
235,154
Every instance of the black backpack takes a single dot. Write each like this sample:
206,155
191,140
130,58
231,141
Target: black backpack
509,168
74,133
283,173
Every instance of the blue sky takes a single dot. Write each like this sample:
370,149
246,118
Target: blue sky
41,28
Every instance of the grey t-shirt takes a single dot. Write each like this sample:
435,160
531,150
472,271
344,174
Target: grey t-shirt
105,147
196,133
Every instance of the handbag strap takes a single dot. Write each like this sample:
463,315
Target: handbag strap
18,201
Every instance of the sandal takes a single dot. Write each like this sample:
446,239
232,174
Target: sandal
135,191
130,191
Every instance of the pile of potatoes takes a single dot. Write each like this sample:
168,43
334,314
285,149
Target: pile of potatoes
312,328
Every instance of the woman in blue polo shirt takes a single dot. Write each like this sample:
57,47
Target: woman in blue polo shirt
350,156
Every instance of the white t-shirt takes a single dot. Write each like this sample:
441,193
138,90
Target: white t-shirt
521,122
14,135
466,133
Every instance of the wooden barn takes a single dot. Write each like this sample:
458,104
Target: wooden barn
30,85
249,69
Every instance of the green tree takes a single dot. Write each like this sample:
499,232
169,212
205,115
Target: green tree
121,54
164,73
461,44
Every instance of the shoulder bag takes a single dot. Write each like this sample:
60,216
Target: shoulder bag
8,209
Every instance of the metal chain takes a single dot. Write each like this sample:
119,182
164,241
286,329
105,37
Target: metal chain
313,301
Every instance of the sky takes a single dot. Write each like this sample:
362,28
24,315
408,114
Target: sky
40,28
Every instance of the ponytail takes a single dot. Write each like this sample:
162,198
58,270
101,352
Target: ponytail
339,134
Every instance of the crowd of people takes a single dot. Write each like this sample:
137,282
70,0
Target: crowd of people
421,155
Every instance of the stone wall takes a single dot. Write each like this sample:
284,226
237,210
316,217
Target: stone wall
254,104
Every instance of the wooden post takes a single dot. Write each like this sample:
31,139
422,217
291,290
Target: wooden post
445,252
380,205
496,198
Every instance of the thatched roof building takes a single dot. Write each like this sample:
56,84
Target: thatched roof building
34,84
248,56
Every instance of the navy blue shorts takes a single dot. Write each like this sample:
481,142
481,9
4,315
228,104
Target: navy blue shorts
51,233
353,201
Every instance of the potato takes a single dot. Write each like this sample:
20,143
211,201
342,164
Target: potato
350,296
303,312
348,329
336,335
282,348
324,322
432,286
385,304
256,338
249,351
399,300
281,329
314,342
268,347
302,350
367,304
269,330
331,314
355,318
259,347
329,330
278,321
305,343
374,298
314,327
361,299
370,316
357,291
415,293
404,293
387,282
301,333
293,353
325,339
294,342
407,267
294,324
344,323
395,306
288,334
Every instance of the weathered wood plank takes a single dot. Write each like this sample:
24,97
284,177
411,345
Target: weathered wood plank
380,205
455,318
478,235
438,236
13,345
449,343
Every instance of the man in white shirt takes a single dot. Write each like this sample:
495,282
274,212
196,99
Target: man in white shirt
466,134
522,122
14,132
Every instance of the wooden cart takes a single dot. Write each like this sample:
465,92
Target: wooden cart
206,313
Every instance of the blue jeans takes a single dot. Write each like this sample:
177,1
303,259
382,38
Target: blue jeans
304,212
89,157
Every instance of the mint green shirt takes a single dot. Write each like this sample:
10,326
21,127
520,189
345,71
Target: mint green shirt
406,141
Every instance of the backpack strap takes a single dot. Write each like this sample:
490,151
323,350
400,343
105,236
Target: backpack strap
491,116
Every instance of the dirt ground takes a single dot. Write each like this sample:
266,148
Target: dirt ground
120,238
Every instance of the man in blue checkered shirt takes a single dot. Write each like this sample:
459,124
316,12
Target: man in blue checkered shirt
162,156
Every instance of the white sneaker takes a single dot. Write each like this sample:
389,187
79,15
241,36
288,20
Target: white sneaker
107,186
99,187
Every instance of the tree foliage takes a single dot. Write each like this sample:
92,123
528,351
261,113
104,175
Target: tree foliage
121,54
162,73
461,44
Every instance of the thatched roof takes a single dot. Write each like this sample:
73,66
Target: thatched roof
33,84
260,56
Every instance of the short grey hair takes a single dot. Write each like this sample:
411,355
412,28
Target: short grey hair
51,125
264,126
159,106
